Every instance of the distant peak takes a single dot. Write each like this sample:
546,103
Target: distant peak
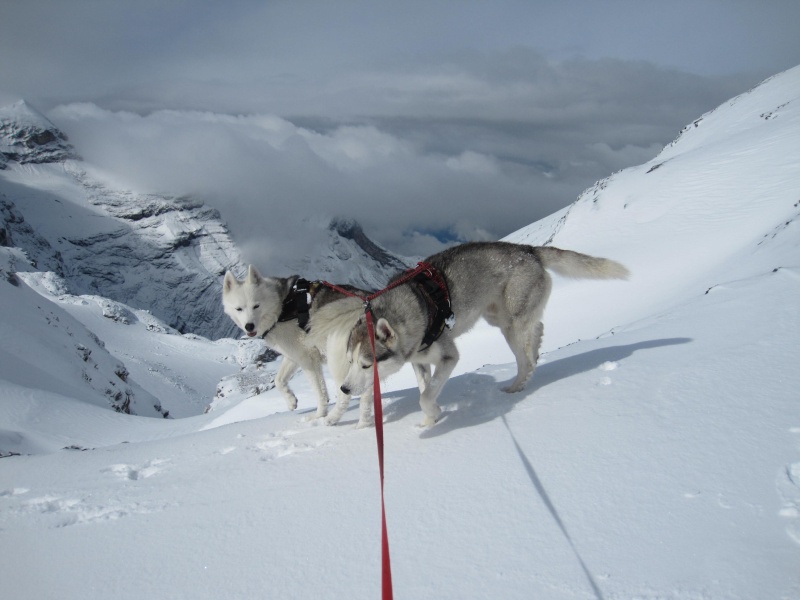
27,136
347,228
24,115
350,229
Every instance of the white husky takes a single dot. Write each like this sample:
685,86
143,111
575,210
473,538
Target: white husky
266,307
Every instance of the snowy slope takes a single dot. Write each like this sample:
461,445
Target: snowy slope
655,455
719,204
46,350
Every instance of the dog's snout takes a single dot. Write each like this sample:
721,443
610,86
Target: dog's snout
249,327
345,389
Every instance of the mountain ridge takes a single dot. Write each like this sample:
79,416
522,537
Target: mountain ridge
164,253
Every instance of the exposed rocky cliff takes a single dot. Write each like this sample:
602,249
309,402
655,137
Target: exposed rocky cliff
26,136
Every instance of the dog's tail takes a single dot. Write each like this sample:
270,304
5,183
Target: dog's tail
580,266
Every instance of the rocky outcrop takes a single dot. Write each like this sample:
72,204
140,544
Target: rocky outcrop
28,137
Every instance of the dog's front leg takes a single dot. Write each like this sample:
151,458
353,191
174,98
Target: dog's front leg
342,402
365,408
423,374
285,371
314,372
442,370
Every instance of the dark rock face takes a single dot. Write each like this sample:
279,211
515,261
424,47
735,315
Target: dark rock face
16,232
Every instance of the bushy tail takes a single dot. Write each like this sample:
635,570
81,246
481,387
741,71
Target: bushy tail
580,266
336,318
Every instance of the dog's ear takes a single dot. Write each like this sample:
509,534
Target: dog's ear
384,332
253,276
230,282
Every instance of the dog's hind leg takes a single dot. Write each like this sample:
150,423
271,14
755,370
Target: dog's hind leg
285,371
521,322
524,343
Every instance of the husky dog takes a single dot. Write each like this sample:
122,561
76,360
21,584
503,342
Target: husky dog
265,307
504,283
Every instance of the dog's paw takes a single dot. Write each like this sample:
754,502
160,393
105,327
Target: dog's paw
333,418
291,403
428,421
314,417
513,388
363,423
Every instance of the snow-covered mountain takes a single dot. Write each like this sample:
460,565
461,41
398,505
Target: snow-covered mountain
343,253
726,192
655,454
27,136
154,252
161,253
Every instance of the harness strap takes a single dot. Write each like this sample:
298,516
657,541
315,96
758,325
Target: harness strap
434,290
440,313
303,294
297,304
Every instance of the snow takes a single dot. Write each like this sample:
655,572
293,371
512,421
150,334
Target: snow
655,454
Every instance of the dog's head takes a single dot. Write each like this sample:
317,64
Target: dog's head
253,303
361,359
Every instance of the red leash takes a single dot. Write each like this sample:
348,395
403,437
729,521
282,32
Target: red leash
386,564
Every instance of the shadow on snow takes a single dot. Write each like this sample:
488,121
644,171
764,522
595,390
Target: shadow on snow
475,398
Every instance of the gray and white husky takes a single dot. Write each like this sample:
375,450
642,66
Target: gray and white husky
257,305
504,283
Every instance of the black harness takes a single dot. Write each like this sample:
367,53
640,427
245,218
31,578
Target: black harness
440,314
428,279
297,304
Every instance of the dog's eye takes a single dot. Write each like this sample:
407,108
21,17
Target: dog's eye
365,367
238,310
256,306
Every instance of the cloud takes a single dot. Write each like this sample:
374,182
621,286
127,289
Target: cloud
476,150
426,121
308,58
268,176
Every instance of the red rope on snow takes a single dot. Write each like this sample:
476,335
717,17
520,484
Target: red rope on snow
386,565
